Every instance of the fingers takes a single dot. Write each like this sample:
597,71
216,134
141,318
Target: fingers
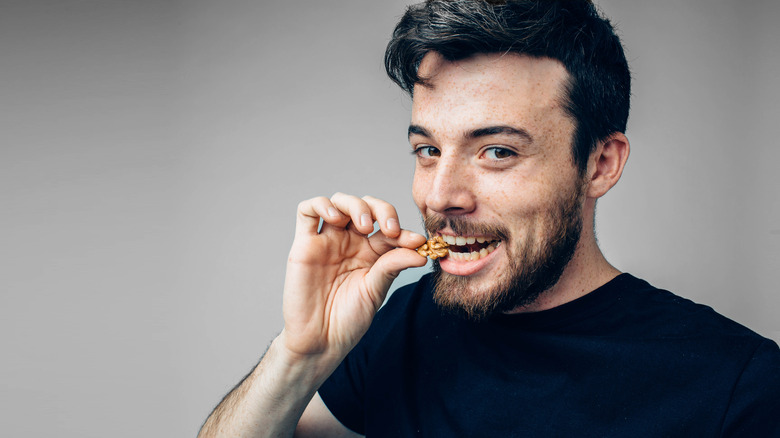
311,211
385,215
365,211
342,210
407,239
357,210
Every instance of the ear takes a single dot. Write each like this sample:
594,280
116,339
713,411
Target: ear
606,163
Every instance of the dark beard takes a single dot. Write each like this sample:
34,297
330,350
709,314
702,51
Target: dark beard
537,267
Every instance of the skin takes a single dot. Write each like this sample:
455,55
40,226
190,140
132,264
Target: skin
338,277
509,179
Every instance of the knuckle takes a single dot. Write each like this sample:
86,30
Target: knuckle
308,203
379,205
343,199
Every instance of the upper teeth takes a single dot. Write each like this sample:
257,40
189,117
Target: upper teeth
460,240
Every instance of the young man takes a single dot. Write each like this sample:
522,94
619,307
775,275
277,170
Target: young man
524,328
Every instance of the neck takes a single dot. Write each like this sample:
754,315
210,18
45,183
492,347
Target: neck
586,271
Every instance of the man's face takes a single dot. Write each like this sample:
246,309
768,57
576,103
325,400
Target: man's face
495,176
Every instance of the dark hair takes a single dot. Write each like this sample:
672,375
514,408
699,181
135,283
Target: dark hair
571,31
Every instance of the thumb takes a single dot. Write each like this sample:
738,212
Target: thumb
386,269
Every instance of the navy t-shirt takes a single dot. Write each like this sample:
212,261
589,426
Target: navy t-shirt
626,360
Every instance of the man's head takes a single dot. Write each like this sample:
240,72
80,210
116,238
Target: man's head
512,113
598,88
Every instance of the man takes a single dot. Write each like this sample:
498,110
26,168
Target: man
524,329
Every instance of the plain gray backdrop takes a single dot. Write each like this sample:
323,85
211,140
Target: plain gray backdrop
154,151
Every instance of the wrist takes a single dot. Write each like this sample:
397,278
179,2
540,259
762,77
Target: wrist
308,369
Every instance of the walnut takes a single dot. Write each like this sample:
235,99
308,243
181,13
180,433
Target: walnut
434,248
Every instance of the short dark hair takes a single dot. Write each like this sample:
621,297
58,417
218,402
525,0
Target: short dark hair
571,31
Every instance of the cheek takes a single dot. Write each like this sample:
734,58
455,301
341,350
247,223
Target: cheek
519,203
507,195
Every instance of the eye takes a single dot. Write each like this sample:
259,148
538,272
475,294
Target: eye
498,153
427,152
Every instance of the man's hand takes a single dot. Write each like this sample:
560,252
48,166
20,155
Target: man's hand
338,276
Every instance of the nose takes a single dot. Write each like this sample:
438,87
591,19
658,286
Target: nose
450,190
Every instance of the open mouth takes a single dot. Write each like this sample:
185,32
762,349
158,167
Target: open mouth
468,248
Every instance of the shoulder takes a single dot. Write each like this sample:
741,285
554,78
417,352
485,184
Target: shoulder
675,316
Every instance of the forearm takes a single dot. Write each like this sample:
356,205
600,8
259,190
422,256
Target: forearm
271,400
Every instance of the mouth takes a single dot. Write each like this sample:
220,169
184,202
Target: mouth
470,248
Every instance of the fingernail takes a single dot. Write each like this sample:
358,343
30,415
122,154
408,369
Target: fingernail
365,220
392,224
332,212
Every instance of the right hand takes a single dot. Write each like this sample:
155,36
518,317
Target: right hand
337,278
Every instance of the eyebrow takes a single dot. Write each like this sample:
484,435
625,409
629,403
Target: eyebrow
418,130
480,132
501,129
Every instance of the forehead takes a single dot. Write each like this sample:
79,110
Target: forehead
489,88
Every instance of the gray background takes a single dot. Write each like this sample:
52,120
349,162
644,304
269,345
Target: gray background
153,153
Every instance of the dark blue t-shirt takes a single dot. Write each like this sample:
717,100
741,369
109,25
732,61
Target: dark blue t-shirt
626,360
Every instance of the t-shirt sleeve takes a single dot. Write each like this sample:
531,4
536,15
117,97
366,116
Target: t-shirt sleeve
755,403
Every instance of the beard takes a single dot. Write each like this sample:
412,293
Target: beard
534,264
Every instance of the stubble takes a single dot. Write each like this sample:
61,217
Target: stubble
534,264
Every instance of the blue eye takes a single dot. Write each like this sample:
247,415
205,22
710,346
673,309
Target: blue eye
498,153
427,152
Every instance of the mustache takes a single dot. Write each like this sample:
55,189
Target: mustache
435,223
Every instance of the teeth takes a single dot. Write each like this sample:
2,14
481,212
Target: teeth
471,256
474,255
